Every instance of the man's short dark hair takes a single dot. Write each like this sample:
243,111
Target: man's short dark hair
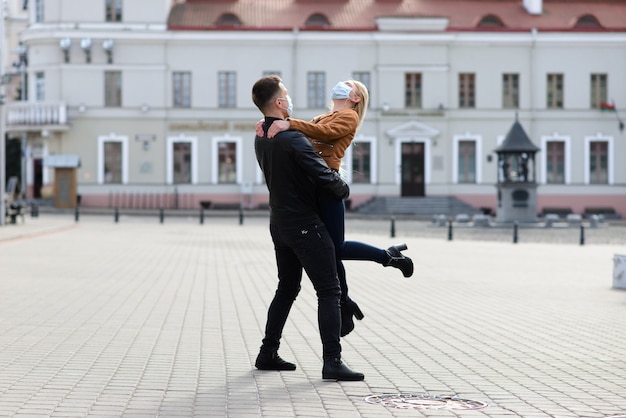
265,90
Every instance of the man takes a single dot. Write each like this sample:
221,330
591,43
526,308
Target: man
293,171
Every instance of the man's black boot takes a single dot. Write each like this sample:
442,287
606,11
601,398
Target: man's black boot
335,369
398,260
272,361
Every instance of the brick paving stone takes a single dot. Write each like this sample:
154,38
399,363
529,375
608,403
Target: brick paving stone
139,319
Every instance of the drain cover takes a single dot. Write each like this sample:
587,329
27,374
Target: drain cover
422,401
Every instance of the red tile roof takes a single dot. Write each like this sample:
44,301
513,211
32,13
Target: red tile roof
357,15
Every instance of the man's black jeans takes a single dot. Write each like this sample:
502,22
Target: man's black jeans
310,247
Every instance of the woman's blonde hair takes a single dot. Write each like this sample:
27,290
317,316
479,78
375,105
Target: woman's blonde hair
361,106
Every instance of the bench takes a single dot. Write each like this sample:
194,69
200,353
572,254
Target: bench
605,212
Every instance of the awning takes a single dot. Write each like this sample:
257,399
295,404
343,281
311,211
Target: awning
62,161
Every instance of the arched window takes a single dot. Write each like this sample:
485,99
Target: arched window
228,19
490,21
317,20
587,21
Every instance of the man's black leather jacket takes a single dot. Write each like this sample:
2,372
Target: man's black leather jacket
294,172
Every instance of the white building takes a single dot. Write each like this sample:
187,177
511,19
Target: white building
154,97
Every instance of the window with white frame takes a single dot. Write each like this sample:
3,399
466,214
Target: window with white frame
554,93
598,90
182,160
39,11
113,159
40,92
510,91
112,88
181,88
113,10
599,160
268,73
555,162
466,159
316,89
413,90
227,160
359,162
555,159
227,87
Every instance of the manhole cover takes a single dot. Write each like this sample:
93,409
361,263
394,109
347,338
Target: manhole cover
422,401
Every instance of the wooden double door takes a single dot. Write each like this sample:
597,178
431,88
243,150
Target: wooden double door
412,169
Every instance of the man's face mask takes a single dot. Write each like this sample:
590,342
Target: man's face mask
289,108
340,91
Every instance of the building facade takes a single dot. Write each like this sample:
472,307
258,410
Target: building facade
152,97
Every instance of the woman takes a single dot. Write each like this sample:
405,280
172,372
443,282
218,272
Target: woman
331,134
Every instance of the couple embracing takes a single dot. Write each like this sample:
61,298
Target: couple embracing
300,162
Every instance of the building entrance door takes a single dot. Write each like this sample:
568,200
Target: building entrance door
412,182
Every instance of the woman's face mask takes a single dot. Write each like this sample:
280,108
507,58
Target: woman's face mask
340,91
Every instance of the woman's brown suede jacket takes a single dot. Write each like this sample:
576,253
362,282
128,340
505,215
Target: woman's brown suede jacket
330,134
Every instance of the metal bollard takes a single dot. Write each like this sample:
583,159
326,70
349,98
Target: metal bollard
393,228
34,210
240,216
582,235
201,216
515,233
161,215
449,230
76,214
116,215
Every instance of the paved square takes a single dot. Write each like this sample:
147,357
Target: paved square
142,319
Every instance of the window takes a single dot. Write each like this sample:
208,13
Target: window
361,161
112,88
113,10
316,88
181,86
317,20
40,92
182,162
112,162
227,162
227,87
490,21
598,162
228,19
266,73
598,90
38,10
587,21
365,78
467,162
555,162
555,91
510,91
413,90
467,92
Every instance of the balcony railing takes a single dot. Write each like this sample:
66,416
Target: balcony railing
21,116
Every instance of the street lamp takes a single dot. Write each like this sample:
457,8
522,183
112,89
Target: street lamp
108,45
22,52
66,44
